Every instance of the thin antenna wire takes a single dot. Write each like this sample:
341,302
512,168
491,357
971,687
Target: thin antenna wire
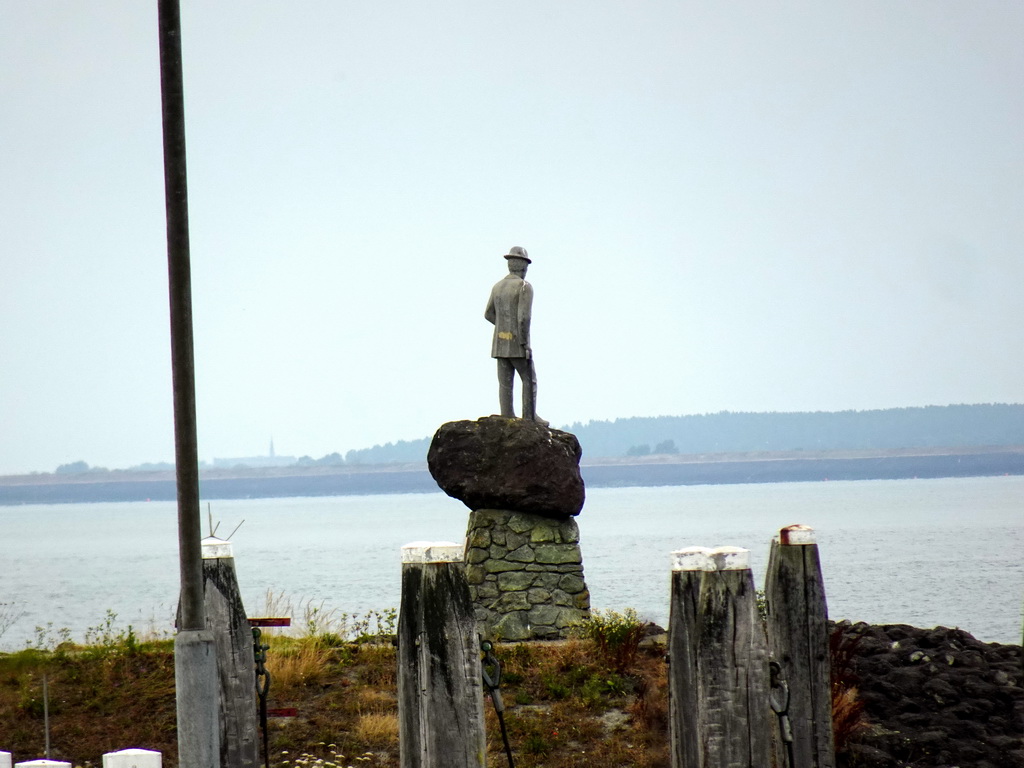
213,528
236,529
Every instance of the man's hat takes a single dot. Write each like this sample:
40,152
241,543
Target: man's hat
516,252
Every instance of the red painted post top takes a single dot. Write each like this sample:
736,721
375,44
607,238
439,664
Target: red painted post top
793,535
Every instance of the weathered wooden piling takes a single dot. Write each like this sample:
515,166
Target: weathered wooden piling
440,688
798,637
688,568
236,663
733,713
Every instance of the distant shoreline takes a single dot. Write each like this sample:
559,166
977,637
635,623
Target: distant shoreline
655,470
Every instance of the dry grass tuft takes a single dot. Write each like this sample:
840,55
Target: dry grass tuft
570,653
848,718
296,663
373,700
377,729
381,666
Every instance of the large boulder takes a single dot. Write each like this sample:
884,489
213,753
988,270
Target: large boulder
512,464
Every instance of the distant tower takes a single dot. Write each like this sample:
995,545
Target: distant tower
271,447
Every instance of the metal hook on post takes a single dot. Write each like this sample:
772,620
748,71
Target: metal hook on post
491,672
778,697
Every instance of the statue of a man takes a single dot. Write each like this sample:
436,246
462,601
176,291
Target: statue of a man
509,310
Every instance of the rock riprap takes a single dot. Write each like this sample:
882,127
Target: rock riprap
934,698
509,464
525,574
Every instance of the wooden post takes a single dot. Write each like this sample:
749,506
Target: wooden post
733,713
798,638
236,663
440,690
688,569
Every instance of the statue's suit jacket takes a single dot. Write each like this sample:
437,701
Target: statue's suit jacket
509,309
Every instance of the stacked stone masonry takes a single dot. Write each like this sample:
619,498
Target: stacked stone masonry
525,574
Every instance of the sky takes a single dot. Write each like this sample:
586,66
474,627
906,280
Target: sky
758,206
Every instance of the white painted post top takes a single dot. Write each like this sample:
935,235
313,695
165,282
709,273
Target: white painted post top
432,552
731,558
132,758
5,759
42,764
707,559
214,548
796,534
693,559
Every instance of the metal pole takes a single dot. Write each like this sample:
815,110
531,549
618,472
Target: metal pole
180,287
195,663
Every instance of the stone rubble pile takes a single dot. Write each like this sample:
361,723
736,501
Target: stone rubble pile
935,698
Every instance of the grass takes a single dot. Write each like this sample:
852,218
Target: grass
294,664
616,636
597,699
566,706
377,729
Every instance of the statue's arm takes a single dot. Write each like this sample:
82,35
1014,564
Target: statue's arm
525,314
489,314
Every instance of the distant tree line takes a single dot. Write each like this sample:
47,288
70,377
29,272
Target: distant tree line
931,426
728,432
402,452
662,448
391,453
81,467
77,468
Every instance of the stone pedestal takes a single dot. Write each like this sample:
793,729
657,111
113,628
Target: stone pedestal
525,574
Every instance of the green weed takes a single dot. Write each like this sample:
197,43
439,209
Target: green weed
616,636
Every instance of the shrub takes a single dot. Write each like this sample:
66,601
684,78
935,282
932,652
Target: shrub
616,635
330,626
10,613
597,687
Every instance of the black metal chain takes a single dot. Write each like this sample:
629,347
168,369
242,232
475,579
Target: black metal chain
491,671
778,697
262,687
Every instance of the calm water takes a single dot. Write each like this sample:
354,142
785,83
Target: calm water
922,552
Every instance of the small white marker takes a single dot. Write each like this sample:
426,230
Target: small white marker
132,758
